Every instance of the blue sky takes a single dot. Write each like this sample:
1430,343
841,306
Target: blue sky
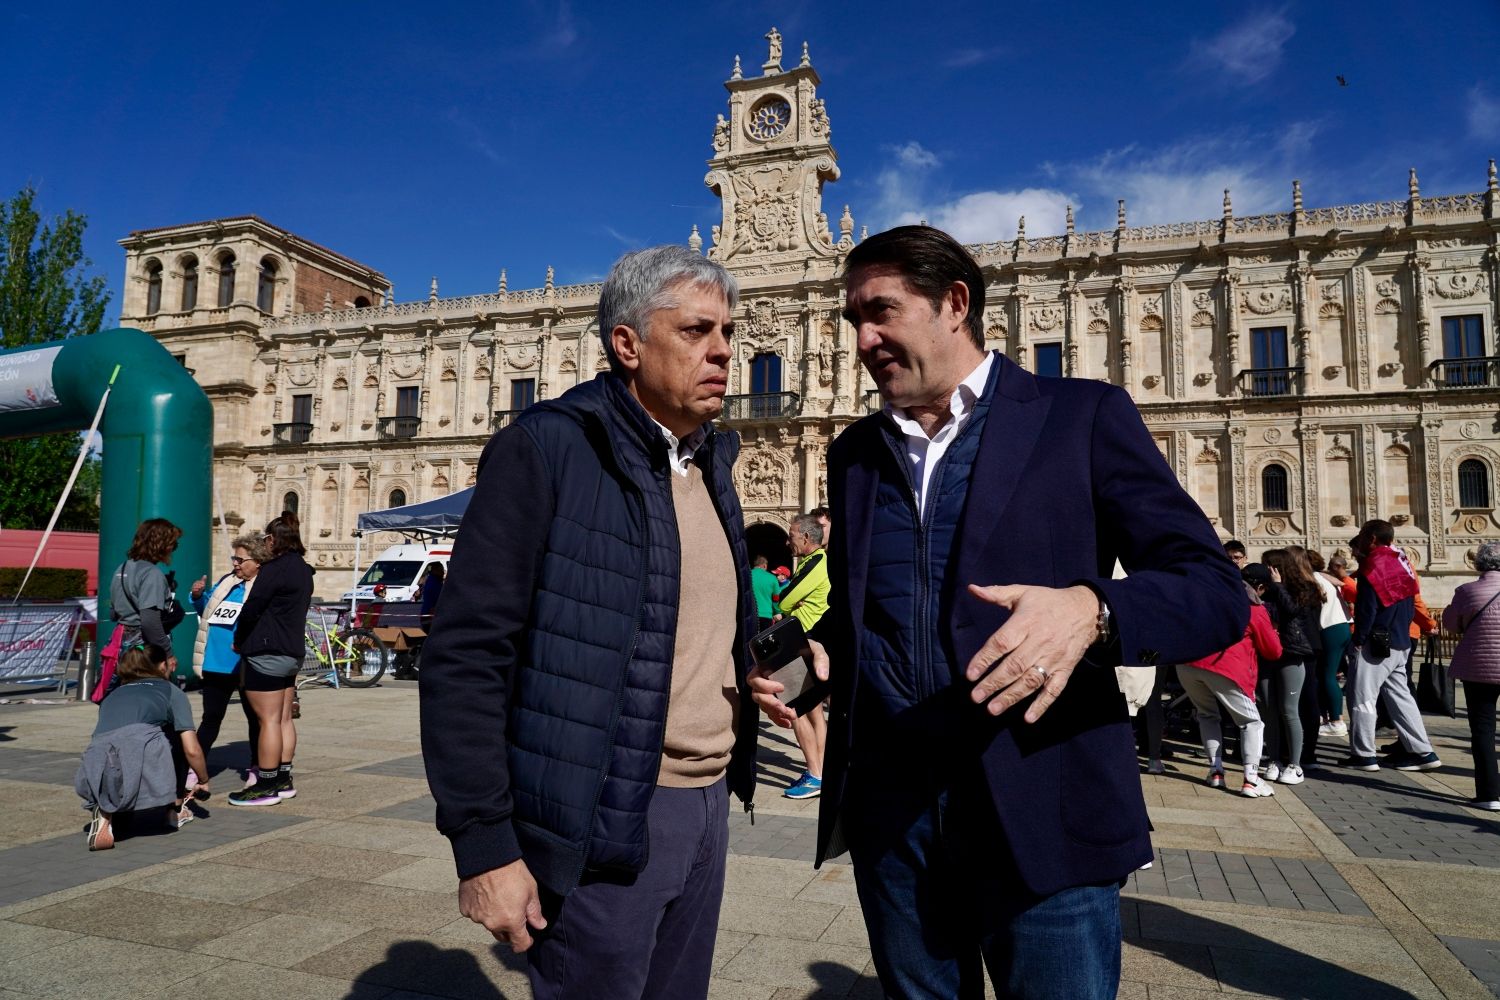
456,139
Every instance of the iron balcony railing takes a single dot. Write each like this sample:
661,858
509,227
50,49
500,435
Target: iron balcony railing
1270,381
504,418
1465,373
397,428
761,406
292,433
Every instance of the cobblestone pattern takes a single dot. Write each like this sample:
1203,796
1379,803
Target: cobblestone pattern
1250,879
1386,814
791,838
1480,957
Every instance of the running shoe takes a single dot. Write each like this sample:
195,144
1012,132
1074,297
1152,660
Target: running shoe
101,837
284,789
1291,775
1272,772
265,793
807,787
1488,805
1155,766
1216,779
1257,789
1417,762
1338,728
177,818
1359,763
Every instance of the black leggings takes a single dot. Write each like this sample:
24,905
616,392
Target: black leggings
1481,701
217,690
1155,713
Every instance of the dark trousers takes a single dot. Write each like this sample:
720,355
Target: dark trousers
217,690
941,901
1480,699
1310,710
1155,713
651,935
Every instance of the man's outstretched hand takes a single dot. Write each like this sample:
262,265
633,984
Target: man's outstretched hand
1049,628
504,901
764,690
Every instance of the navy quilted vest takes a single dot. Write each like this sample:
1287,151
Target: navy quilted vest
904,651
590,708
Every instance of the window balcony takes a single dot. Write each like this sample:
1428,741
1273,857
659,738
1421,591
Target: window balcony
292,433
397,428
873,401
761,406
1465,373
1261,382
504,418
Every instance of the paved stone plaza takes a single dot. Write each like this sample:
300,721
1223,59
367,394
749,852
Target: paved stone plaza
1352,885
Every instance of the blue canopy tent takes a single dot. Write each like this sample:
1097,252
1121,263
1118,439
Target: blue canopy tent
437,518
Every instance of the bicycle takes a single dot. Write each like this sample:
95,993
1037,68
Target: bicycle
355,657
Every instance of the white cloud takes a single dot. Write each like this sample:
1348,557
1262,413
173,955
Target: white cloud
964,58
625,240
973,217
1248,50
1483,114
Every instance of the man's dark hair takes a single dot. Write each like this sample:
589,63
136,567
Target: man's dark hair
931,261
821,512
1382,532
1234,545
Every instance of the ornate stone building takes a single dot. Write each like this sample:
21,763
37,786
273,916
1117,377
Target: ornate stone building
1301,371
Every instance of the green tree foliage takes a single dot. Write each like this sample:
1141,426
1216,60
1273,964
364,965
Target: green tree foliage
45,295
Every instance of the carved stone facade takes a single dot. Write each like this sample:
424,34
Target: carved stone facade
331,393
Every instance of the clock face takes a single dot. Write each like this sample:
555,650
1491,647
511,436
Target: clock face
769,118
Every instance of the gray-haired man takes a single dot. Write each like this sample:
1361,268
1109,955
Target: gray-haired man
584,697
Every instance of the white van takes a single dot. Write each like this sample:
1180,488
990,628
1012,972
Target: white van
395,573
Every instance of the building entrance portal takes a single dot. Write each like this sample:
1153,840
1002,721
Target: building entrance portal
768,540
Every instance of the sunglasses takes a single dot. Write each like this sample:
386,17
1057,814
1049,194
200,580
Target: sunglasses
240,559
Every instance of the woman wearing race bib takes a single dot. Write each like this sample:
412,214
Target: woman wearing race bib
214,657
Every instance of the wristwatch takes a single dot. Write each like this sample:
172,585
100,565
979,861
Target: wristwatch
1101,624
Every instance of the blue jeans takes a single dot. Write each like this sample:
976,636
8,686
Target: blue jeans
940,895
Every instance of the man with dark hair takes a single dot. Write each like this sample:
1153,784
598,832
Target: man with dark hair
980,765
1235,550
585,711
1383,608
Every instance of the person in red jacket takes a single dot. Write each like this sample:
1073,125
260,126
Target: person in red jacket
1227,680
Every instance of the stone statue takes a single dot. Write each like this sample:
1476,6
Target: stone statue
721,134
773,62
819,122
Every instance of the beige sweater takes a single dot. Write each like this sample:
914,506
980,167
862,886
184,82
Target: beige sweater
704,698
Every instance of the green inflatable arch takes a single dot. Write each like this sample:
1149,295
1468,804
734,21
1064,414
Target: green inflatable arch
158,444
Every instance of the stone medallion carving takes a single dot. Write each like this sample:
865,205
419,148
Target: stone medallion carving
1272,435
1275,525
406,365
522,357
1388,289
1047,318
1458,286
1264,301
1475,524
1470,430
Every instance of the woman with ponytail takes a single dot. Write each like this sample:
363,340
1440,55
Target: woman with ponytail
269,637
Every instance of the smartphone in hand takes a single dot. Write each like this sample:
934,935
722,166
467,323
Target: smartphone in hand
783,652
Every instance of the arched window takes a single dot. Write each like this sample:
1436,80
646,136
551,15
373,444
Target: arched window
189,283
396,499
153,287
265,289
226,279
1473,484
360,302
290,501
1273,488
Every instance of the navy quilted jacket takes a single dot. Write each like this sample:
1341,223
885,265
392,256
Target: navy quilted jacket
545,685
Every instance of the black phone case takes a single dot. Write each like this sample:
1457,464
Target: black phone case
783,651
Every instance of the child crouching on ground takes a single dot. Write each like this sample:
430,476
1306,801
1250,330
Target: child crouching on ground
141,750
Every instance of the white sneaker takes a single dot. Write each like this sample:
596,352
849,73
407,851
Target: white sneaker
1272,772
1326,729
1292,775
1257,789
1340,728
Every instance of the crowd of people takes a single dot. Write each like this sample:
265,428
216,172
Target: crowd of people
1321,638
146,754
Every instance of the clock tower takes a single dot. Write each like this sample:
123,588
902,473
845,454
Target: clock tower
771,158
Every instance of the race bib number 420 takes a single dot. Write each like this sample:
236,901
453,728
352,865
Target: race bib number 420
227,613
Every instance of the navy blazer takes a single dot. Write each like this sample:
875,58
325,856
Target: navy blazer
1067,481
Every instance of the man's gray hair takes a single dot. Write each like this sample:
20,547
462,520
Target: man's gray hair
810,527
1488,557
644,281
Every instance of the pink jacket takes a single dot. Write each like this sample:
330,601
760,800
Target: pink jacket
1478,655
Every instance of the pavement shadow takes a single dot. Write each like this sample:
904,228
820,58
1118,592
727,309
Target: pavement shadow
423,967
835,979
1476,823
5,736
1247,962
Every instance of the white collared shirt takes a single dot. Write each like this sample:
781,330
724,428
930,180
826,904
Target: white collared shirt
680,452
925,453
